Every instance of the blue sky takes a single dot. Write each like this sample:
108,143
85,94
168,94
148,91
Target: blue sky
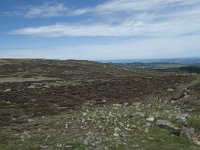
99,29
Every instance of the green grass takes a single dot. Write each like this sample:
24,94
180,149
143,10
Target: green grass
166,141
195,123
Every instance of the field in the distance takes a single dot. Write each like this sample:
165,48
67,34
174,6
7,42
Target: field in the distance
52,104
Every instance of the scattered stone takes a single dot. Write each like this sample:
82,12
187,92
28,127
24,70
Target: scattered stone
66,126
59,145
31,87
183,119
116,132
137,105
125,104
46,86
8,102
13,119
169,126
84,114
172,101
25,135
117,105
186,95
7,90
150,138
30,120
135,146
180,95
43,146
68,146
117,129
170,90
104,100
150,119
148,124
86,142
137,115
146,130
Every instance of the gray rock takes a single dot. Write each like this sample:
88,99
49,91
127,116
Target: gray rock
180,96
150,118
170,90
183,119
8,102
137,115
46,86
104,100
168,126
186,95
31,87
7,90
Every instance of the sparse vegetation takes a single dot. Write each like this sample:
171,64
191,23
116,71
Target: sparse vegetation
86,105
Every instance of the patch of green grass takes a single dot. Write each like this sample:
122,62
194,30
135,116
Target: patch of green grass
163,140
195,123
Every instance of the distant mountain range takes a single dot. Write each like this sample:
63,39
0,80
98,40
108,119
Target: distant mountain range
164,60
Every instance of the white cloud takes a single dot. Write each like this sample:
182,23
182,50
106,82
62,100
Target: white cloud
126,29
144,18
108,7
11,13
146,48
171,29
46,10
130,28
132,5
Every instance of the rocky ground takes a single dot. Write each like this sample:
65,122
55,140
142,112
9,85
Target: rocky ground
52,104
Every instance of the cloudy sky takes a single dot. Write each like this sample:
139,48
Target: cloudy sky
99,29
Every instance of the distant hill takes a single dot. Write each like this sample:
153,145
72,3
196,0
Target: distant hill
167,60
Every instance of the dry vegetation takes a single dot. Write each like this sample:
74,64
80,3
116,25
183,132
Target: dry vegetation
52,104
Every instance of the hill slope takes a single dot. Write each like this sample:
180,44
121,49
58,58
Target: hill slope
52,104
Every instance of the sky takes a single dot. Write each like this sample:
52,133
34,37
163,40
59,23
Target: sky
99,29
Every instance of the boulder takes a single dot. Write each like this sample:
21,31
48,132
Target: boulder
168,126
183,119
